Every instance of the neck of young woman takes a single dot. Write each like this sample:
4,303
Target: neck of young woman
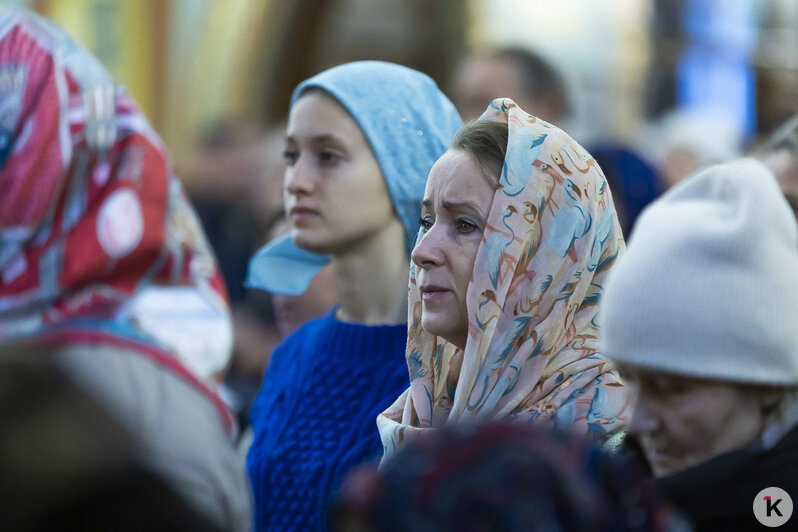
371,279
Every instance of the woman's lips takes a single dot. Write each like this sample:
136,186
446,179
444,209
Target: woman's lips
659,459
433,292
300,213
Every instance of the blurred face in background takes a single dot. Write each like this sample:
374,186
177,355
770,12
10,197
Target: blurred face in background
479,80
240,162
268,192
455,210
682,422
678,163
335,194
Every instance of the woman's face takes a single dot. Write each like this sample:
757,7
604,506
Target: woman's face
335,195
682,422
454,212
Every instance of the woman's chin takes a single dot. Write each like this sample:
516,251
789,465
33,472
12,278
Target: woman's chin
431,323
309,242
441,327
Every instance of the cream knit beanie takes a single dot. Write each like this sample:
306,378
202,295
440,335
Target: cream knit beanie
708,286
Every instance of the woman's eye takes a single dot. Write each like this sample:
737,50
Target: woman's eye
464,226
290,157
327,157
667,386
425,224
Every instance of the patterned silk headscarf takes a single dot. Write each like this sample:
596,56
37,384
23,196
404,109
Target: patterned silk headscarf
94,226
551,238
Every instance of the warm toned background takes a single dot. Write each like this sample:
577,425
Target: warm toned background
192,62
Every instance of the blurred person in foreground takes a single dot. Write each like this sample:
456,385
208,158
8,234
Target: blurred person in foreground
68,463
700,317
500,477
513,72
96,237
506,283
360,141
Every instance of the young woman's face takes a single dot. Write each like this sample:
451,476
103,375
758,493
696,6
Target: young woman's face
682,422
335,195
455,210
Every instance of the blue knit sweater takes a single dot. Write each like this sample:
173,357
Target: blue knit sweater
315,416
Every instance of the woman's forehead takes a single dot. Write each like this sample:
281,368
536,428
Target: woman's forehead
457,177
318,114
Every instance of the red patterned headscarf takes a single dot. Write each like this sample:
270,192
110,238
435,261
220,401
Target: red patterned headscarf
91,215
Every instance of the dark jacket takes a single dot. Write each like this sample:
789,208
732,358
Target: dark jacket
719,494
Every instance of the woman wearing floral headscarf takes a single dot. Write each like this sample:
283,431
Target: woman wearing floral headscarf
518,233
93,227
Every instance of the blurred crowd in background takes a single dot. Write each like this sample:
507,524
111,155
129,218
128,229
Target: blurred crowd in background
626,64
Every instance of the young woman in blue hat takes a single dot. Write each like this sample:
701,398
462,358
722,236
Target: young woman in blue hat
360,141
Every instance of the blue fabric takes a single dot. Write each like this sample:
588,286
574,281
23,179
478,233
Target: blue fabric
633,182
408,122
314,417
283,268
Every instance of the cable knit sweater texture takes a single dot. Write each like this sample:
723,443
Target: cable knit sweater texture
314,417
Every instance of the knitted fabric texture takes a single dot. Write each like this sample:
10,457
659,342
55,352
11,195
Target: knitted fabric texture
706,288
314,417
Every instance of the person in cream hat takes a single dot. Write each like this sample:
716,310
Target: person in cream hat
700,316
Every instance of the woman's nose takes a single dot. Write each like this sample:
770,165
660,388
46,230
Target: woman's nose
299,178
428,251
644,417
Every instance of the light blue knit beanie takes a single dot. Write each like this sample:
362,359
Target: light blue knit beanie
409,124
